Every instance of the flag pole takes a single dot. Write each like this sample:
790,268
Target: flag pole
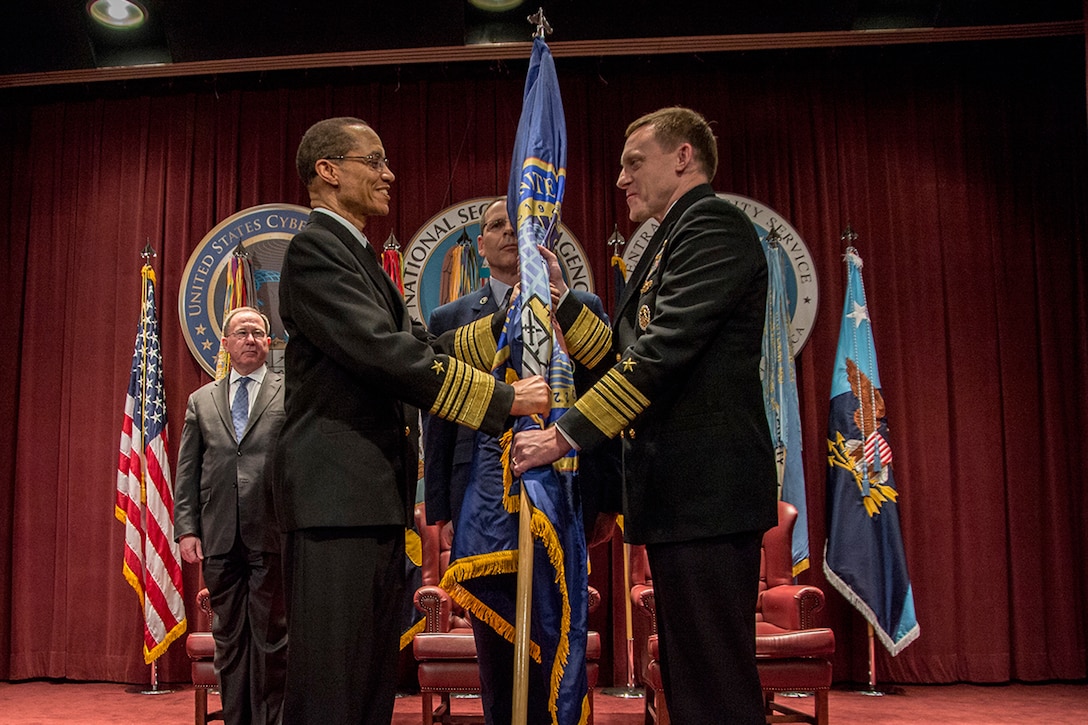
523,612
849,236
523,602
629,692
154,688
872,662
619,271
871,690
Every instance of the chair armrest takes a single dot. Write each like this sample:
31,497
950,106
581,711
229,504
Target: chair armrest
435,603
642,597
204,601
791,606
594,599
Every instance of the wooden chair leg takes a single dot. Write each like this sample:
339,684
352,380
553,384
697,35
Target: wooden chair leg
821,707
443,712
428,708
661,707
201,697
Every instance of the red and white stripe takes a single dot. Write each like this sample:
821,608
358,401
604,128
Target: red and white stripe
872,443
152,560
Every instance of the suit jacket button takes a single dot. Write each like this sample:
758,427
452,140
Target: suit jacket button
631,434
407,432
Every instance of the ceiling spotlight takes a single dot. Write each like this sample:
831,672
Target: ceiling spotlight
123,14
495,6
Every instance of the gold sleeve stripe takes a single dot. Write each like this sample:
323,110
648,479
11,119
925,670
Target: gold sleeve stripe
465,395
475,344
589,339
612,403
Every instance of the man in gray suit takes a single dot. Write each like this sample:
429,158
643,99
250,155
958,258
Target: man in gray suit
223,518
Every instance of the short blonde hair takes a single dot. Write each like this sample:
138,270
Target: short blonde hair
676,125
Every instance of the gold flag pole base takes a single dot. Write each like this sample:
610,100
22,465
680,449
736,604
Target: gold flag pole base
871,690
626,693
152,690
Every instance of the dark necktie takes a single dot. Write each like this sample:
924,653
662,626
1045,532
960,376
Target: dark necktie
239,411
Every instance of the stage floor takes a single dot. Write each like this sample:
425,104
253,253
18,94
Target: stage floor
52,703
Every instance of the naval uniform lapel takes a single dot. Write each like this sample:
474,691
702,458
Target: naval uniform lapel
638,276
368,258
633,289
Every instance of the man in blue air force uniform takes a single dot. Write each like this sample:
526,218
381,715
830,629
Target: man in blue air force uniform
449,449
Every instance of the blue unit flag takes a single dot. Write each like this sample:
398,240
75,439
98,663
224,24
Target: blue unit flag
484,559
864,557
780,397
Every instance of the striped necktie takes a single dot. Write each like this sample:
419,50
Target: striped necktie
239,410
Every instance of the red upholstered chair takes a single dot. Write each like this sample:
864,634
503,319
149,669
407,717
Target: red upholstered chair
200,647
445,650
793,655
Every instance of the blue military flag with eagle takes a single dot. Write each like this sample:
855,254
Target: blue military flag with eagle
864,557
484,558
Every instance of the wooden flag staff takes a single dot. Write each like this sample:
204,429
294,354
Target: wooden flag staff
524,601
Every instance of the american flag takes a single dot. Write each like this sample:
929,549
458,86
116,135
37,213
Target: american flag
145,499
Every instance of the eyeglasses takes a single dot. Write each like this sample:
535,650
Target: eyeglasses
497,225
243,334
374,161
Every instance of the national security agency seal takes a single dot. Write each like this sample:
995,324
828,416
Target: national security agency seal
263,232
802,288
427,251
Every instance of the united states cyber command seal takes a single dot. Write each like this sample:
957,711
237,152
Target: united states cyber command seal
263,232
802,288
427,250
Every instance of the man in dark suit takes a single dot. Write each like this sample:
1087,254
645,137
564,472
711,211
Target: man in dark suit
223,518
346,467
448,456
684,389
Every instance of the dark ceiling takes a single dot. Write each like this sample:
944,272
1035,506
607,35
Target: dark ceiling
56,35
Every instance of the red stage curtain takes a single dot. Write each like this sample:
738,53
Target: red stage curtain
961,167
